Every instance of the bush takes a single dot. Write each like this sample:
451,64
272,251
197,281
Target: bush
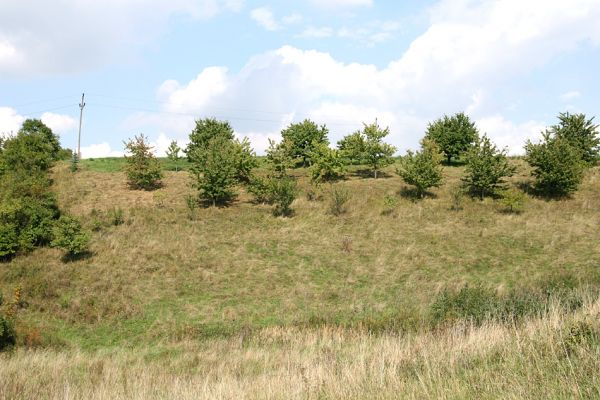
8,336
457,195
579,132
453,135
69,236
557,166
283,193
327,164
204,131
390,203
352,148
142,168
339,198
422,169
513,200
245,160
261,188
9,240
377,154
116,216
486,168
301,140
173,154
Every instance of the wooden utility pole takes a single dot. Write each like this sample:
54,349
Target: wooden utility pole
81,105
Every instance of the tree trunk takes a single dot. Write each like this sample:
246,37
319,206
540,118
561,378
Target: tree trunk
449,158
375,172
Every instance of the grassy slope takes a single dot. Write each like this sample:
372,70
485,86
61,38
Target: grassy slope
162,280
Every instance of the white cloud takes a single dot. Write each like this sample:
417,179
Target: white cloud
10,121
335,4
90,33
265,18
507,134
569,96
292,19
99,150
312,32
468,52
59,123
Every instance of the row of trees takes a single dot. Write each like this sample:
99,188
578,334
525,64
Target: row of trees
220,162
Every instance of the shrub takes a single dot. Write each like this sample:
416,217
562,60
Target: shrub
327,164
422,169
339,198
69,236
261,188
486,168
390,203
579,132
192,203
173,154
142,168
453,135
377,154
9,240
513,200
204,131
214,169
116,216
7,333
74,167
301,140
557,166
284,192
314,193
457,195
352,148
245,160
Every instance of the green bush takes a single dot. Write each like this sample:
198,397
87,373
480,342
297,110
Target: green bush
557,165
261,188
339,198
377,154
327,164
69,236
390,203
300,140
513,200
284,192
9,240
581,133
8,337
422,169
453,135
142,168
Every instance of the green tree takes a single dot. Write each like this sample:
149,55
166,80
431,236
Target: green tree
35,126
214,169
246,160
173,153
33,149
454,135
327,164
422,169
486,168
581,133
557,165
278,157
142,168
301,139
205,130
283,193
377,153
69,236
352,148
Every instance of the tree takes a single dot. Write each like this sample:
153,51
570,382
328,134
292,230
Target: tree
557,165
327,165
454,135
581,133
35,126
377,154
69,236
142,168
422,169
173,153
352,148
486,168
205,130
278,157
245,160
301,139
214,169
33,149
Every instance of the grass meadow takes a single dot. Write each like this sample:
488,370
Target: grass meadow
233,302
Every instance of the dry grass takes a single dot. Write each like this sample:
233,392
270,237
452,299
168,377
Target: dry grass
543,358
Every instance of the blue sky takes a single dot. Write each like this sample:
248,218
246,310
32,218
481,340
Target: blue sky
153,66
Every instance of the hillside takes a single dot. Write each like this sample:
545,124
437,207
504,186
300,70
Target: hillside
231,301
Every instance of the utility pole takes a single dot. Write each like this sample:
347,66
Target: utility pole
81,105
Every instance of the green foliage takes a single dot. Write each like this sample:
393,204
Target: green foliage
283,193
74,167
327,164
352,148
245,160
454,135
69,236
142,168
260,188
486,168
278,157
579,132
457,195
377,154
191,203
301,139
173,154
513,200
204,131
8,337
37,127
214,170
422,169
339,200
557,165
9,240
390,203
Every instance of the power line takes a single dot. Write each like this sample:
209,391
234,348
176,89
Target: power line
49,109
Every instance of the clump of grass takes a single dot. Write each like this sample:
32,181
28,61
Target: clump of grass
390,204
116,216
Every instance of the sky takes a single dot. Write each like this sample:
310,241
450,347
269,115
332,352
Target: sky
155,66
